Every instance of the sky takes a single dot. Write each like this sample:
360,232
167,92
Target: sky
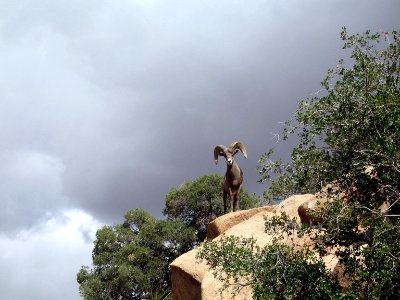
107,105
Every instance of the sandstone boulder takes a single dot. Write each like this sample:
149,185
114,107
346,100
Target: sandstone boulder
191,279
306,209
187,275
223,223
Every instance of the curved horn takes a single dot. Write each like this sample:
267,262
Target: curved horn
240,146
217,150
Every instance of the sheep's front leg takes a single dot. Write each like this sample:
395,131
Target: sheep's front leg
236,199
231,197
235,202
225,195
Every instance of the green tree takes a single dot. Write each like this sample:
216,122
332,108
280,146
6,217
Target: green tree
196,203
353,126
349,135
131,260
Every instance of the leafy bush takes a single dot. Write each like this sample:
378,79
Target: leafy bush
354,125
274,272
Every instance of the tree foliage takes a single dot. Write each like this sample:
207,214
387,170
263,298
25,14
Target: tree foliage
131,260
275,271
196,203
349,137
353,126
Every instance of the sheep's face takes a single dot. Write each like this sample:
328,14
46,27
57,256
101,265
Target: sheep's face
229,154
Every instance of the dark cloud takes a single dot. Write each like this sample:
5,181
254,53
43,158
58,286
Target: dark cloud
106,105
129,99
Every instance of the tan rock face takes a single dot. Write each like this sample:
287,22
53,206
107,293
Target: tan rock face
191,279
305,209
187,275
223,223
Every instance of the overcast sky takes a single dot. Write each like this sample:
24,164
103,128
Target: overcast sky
106,105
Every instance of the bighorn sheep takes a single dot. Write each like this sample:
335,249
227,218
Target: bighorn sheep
233,179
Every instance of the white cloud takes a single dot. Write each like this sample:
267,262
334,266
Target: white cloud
31,187
42,262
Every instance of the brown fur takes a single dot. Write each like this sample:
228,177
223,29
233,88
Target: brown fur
233,179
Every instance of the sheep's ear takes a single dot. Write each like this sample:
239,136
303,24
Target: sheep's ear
221,154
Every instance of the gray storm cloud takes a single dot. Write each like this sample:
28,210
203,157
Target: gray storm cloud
107,105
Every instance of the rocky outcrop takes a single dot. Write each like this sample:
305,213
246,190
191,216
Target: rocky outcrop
187,276
191,279
225,222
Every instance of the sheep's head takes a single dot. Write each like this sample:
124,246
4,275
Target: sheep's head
229,152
